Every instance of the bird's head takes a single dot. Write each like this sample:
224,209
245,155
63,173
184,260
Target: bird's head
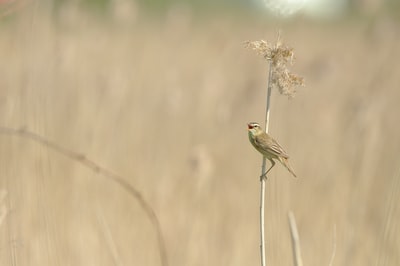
254,128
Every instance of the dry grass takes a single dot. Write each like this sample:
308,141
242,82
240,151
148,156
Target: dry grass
165,104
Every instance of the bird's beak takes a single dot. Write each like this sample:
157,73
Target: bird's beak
249,126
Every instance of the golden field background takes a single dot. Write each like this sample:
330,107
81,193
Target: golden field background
164,103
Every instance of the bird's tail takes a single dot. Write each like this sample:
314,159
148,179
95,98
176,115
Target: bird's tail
285,163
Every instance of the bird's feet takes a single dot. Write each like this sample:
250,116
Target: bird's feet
263,177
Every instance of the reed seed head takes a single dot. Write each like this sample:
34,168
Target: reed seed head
280,56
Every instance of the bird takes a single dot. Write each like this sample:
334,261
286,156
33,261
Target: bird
268,147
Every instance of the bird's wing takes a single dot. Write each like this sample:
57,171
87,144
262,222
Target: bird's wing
270,145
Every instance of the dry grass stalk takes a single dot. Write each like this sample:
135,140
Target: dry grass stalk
82,159
334,247
3,208
108,237
281,78
295,240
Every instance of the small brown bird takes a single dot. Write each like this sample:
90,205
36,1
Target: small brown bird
268,147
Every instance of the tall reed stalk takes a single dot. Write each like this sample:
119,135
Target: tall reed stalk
286,82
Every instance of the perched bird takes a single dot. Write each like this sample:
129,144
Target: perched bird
268,147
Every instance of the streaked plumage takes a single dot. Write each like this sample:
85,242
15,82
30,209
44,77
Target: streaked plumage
268,147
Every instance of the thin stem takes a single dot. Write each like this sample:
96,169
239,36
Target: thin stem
262,230
267,111
334,246
97,168
295,240
263,169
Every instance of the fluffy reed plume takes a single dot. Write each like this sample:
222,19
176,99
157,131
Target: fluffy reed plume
280,56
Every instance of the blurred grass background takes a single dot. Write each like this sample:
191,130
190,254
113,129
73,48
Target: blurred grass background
160,92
